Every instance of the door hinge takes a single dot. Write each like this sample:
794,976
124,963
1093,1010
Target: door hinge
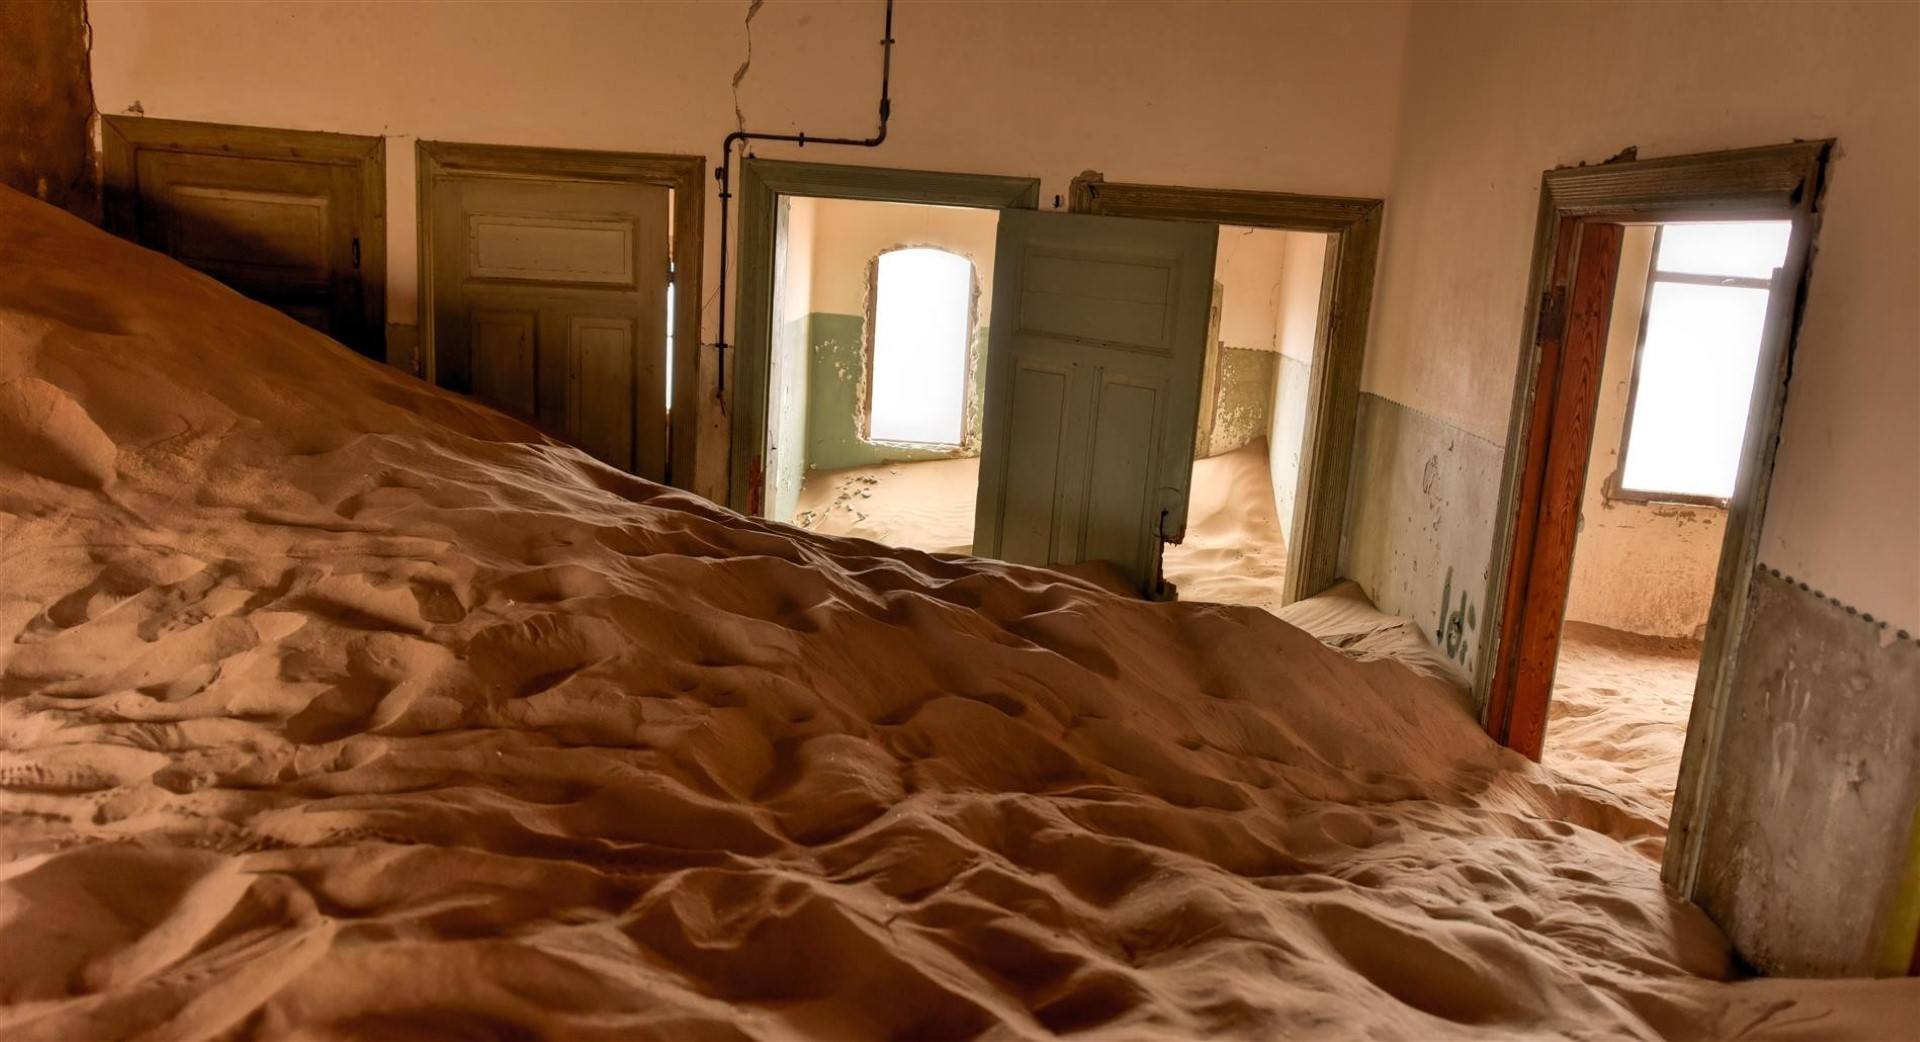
356,253
1553,315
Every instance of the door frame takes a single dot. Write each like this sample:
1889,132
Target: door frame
684,175
762,183
123,138
1352,227
1768,183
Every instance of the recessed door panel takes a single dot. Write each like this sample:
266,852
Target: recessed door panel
1123,444
602,388
503,359
232,229
540,248
1084,296
1039,414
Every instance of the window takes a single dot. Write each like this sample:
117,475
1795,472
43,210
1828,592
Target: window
917,380
1693,370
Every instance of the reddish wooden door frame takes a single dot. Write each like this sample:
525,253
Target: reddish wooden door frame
1572,337
1781,182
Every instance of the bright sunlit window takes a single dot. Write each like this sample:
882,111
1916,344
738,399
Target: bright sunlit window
1705,310
922,304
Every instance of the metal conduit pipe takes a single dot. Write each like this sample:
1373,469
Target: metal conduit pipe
725,176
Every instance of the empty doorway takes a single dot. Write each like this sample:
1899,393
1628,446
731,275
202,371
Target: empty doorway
840,425
1719,296
1673,407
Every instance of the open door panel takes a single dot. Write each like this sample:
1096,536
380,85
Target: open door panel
1094,364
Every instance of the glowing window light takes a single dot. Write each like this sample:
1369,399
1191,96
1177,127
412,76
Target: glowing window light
922,300
1706,312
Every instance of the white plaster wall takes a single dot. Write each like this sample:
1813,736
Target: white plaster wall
1297,314
1246,264
802,223
848,234
1305,262
1640,567
787,372
1492,96
1295,97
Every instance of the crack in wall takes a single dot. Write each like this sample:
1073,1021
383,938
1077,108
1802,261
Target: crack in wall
740,74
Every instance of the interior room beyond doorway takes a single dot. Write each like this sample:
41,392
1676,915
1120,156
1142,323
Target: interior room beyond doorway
1683,339
880,344
880,325
1253,414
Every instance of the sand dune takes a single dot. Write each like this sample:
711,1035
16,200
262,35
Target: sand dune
332,706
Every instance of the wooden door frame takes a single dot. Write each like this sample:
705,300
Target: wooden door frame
123,138
1352,227
1780,182
762,183
684,175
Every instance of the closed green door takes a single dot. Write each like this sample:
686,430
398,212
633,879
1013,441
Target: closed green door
1094,363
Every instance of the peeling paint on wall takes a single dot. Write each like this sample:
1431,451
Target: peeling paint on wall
836,396
1420,513
1242,399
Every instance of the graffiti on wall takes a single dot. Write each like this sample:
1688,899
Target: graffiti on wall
1456,622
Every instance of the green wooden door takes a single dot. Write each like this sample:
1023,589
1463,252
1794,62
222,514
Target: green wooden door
550,302
1094,363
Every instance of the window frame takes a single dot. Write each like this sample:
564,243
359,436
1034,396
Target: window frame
969,427
1616,489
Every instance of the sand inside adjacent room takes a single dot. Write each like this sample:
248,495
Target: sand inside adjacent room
336,706
1233,552
1619,713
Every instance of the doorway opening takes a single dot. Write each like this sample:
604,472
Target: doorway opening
1311,515
1682,348
1262,338
1089,411
1715,250
877,376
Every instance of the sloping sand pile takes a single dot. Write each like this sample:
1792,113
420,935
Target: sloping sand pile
1233,552
334,707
